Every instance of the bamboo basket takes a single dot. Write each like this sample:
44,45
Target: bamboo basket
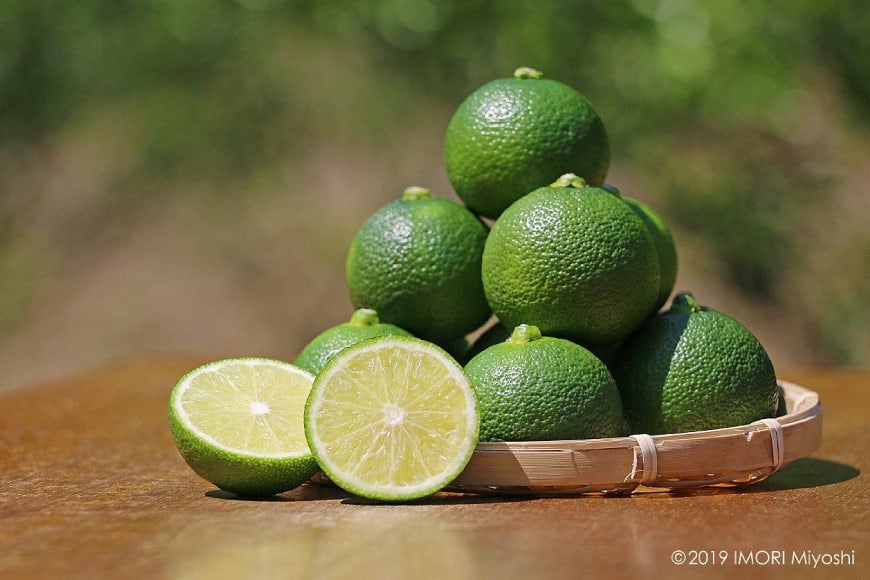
721,457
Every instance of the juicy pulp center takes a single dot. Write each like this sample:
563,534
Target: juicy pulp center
393,414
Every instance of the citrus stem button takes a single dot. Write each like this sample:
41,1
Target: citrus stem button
525,333
415,192
525,73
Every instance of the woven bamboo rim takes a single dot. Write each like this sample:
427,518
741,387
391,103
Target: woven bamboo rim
722,457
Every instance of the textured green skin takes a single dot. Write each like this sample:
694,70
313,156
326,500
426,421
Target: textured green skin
691,372
544,390
575,262
333,340
235,472
417,262
666,250
512,136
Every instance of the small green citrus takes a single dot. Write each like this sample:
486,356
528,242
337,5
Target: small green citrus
573,260
692,368
363,324
238,424
514,135
534,388
416,261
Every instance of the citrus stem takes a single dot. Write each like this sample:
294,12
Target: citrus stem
685,303
525,73
414,192
569,180
525,333
364,317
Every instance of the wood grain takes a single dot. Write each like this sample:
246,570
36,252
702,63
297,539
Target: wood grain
92,486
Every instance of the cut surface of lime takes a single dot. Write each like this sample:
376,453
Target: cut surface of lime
392,419
238,424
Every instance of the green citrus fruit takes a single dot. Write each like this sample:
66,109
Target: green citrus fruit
514,135
534,388
363,324
666,250
692,368
392,418
573,260
417,262
238,424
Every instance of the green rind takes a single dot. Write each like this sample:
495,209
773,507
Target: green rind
575,262
237,472
339,478
512,136
694,371
544,389
417,262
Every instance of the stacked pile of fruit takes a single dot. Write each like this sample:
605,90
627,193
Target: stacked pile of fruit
575,275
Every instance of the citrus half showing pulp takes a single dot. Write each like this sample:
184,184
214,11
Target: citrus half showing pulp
392,418
238,424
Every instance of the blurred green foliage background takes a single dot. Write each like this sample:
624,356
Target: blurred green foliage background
184,176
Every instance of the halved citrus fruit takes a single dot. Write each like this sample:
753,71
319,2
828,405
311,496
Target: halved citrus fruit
238,424
392,418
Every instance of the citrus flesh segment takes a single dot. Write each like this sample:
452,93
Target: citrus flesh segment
238,423
392,419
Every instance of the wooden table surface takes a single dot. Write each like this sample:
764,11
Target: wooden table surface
91,486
